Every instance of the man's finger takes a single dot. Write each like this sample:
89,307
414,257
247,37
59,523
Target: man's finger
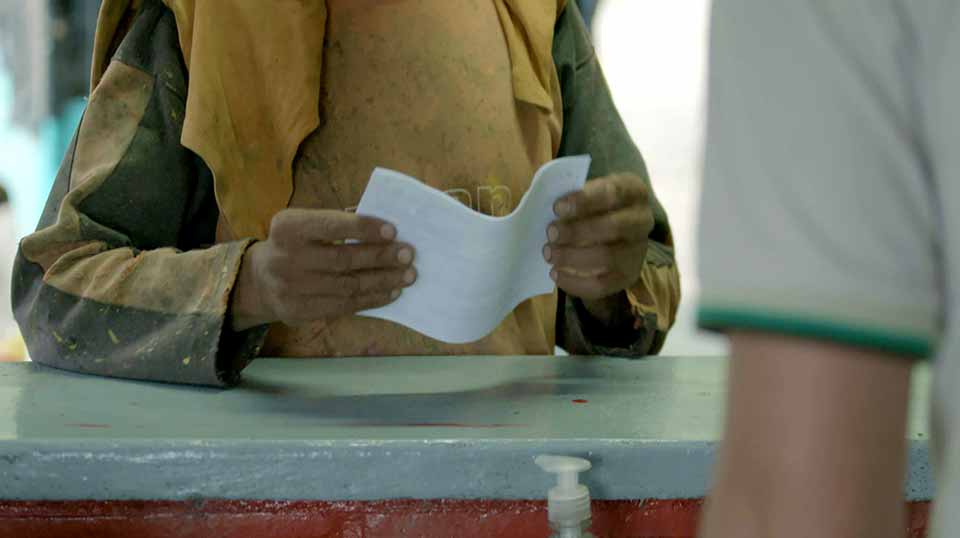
345,284
314,308
631,225
362,283
304,226
598,259
356,257
601,196
589,287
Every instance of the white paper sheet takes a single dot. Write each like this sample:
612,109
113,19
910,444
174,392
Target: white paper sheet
473,269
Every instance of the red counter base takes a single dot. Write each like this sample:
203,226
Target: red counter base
401,519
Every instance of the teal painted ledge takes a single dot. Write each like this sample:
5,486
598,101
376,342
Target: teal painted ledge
374,429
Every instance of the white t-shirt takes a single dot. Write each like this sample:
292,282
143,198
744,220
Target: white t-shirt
831,203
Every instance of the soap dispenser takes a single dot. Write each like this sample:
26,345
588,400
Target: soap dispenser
568,504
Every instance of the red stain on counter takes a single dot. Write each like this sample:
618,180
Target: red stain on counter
85,425
430,425
580,401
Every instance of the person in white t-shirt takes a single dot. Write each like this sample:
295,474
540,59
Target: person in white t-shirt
830,253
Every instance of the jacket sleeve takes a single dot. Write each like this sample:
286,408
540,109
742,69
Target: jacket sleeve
119,279
593,126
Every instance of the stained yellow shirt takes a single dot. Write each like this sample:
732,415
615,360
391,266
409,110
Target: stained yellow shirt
255,77
424,87
295,103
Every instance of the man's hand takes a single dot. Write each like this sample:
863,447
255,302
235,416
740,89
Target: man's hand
305,272
598,244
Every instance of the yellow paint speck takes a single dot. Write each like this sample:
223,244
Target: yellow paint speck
186,361
113,337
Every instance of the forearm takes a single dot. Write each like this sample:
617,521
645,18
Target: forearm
814,444
117,280
246,309
157,315
613,313
632,323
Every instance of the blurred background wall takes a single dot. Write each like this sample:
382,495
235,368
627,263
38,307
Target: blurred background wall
45,49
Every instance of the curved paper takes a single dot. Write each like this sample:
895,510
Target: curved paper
473,269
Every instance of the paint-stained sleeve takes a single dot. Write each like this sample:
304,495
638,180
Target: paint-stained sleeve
592,125
120,278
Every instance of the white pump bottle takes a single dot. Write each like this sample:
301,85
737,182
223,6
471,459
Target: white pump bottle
568,504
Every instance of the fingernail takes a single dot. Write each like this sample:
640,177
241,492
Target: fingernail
553,275
405,256
562,209
387,231
553,233
394,294
547,253
409,276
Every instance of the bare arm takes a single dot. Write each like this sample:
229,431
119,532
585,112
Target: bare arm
814,442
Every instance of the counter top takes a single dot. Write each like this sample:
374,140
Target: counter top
378,428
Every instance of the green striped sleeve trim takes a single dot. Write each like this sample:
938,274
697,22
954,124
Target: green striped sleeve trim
900,343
